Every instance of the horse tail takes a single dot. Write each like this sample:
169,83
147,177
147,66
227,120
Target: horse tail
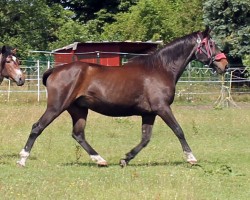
46,75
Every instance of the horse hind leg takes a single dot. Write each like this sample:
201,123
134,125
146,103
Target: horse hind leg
37,128
79,116
147,125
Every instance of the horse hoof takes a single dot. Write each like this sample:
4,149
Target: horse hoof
20,164
190,158
102,164
192,162
123,163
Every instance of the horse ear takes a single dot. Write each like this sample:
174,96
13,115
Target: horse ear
13,51
3,50
206,32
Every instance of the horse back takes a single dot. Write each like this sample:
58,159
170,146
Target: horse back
59,68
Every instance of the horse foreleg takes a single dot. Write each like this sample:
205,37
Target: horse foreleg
147,125
36,130
168,117
79,116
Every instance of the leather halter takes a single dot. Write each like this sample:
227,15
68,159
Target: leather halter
207,47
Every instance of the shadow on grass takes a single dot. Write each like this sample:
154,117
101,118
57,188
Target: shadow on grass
78,164
149,164
153,164
8,156
14,155
205,166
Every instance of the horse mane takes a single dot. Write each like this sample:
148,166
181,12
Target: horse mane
167,54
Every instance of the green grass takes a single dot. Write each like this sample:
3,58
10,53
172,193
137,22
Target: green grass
59,169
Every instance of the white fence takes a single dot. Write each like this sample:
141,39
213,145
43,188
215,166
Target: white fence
194,81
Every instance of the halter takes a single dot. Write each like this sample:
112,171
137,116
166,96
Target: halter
209,49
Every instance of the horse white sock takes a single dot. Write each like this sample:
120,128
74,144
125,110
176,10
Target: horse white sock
24,155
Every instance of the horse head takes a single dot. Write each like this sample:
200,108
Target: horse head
208,53
9,66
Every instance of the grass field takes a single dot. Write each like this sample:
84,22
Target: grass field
59,169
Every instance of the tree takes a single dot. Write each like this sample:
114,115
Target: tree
156,20
33,25
50,24
86,10
230,21
95,13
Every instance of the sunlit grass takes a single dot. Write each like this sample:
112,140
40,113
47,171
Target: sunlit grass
59,169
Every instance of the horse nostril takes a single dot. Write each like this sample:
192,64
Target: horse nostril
20,81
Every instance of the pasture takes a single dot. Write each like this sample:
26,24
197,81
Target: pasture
59,169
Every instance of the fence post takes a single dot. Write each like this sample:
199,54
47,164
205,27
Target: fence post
189,79
8,90
38,80
98,57
48,66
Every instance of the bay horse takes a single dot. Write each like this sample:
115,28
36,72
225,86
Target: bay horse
145,86
9,66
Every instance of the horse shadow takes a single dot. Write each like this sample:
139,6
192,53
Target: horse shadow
198,166
146,164
4,158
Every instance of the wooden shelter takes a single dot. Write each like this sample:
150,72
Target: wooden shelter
104,53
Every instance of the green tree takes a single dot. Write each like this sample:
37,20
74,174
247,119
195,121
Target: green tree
86,10
95,13
70,31
33,25
230,21
156,20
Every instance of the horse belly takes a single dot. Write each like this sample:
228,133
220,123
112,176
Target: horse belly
113,110
104,107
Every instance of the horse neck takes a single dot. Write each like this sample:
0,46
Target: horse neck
181,56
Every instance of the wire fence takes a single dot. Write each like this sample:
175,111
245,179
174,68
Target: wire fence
194,83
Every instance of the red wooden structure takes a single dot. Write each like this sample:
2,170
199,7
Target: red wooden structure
104,53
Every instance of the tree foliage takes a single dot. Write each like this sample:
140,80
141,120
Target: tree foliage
230,20
86,10
156,20
33,25
24,25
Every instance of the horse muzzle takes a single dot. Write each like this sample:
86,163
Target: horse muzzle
220,62
19,79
